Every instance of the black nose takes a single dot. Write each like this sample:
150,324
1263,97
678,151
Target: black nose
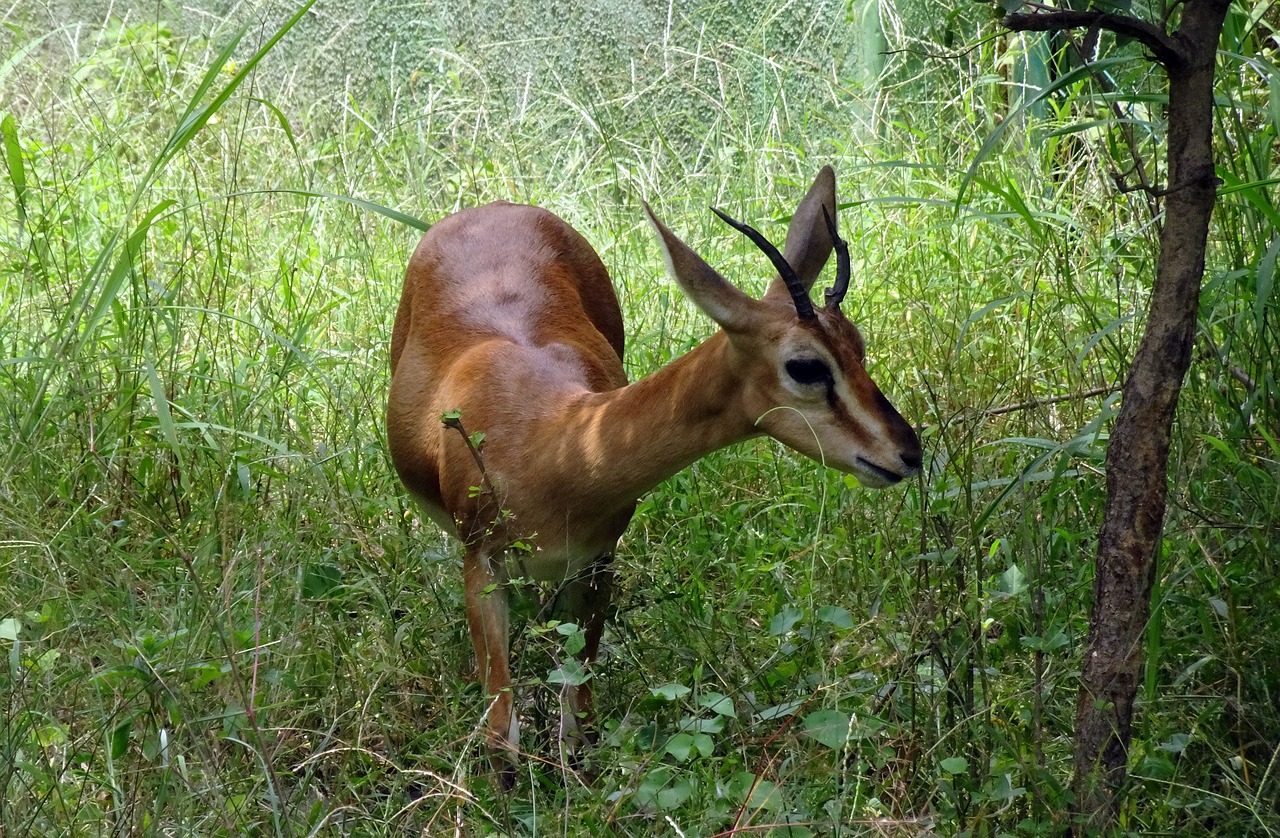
911,459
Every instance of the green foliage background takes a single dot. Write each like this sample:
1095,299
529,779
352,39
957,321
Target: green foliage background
221,616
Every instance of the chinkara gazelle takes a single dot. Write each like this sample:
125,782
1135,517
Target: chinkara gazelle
509,327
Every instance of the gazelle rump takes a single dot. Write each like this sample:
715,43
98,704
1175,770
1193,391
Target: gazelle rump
509,317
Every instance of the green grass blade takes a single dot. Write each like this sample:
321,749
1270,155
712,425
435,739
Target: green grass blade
165,417
360,203
13,159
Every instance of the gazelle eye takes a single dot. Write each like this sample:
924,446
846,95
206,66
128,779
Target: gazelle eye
808,371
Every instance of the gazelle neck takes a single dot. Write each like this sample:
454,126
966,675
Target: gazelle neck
635,437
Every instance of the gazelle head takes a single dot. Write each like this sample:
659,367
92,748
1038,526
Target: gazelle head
803,368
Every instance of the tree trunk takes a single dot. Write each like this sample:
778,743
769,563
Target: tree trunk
1138,450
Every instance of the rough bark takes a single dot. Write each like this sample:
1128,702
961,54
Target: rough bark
1138,450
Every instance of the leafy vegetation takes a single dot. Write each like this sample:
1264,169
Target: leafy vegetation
221,615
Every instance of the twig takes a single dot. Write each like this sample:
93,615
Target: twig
1045,402
453,419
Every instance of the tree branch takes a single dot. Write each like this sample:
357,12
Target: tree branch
1166,49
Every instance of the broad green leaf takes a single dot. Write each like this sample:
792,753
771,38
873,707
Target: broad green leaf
120,738
575,640
955,765
785,620
755,793
680,746
320,580
830,727
717,703
662,789
571,673
836,616
1013,581
670,692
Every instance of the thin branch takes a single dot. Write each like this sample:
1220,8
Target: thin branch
1166,49
1201,178
1031,404
453,420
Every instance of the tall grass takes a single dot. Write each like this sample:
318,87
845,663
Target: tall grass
222,615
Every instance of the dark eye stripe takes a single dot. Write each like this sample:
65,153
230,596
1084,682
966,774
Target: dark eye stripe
808,370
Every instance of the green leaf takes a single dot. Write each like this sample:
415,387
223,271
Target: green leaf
1222,448
680,746
671,798
120,738
1013,581
717,703
661,789
830,727
320,580
1157,766
359,203
754,793
575,640
1002,789
45,660
165,418
1054,639
785,620
715,724
13,157
1266,281
571,673
670,692
1014,118
836,616
777,711
9,628
124,268
955,765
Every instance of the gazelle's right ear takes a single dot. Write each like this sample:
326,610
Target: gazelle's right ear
718,298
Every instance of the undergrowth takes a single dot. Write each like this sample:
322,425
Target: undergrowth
221,615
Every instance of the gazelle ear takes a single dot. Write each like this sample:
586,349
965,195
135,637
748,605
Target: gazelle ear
718,298
808,242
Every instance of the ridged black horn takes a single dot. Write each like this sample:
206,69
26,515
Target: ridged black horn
804,308
835,294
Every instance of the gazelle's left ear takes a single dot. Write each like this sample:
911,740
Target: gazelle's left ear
808,244
718,298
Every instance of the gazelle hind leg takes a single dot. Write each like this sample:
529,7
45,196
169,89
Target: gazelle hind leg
585,600
489,623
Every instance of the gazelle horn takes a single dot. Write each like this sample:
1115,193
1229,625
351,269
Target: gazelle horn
804,308
835,294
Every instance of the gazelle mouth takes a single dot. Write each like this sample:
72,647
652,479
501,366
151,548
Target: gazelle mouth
889,477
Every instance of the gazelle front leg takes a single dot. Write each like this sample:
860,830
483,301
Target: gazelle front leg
585,599
489,622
